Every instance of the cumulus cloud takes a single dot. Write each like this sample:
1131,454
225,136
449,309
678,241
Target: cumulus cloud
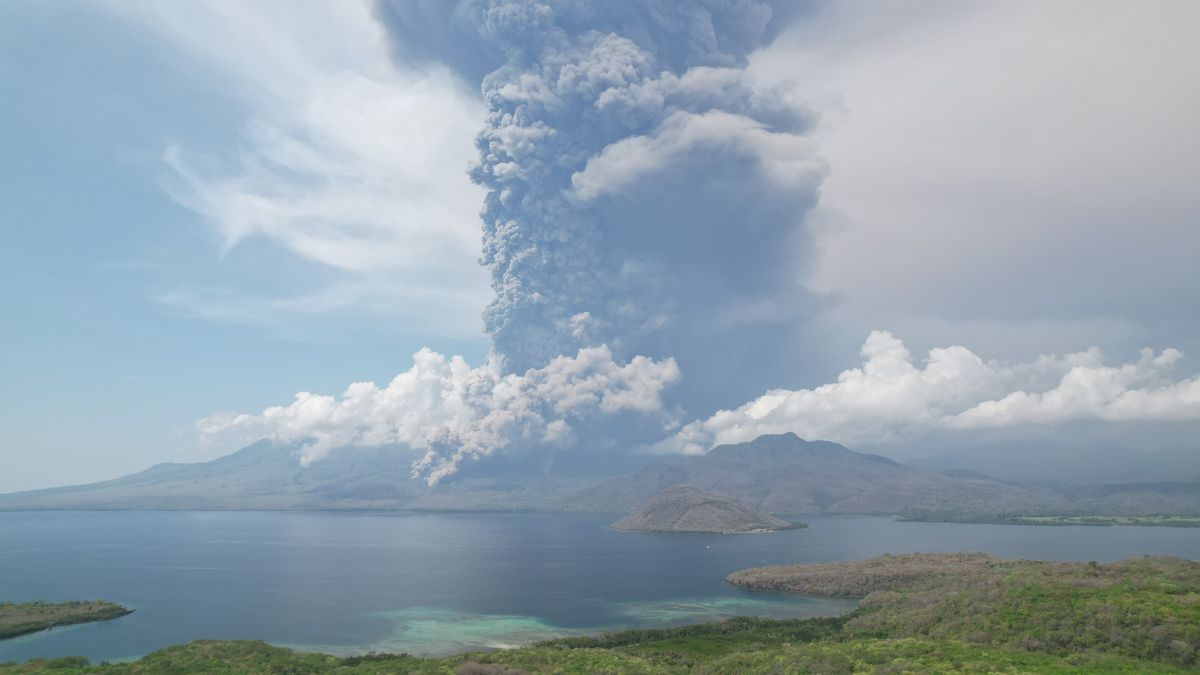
456,413
1132,391
892,396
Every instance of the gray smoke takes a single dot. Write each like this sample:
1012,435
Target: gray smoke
643,192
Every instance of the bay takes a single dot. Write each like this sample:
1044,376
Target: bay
440,583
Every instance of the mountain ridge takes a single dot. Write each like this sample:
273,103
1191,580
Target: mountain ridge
774,473
782,473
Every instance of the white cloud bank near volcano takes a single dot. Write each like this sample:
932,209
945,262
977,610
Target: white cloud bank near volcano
457,413
891,396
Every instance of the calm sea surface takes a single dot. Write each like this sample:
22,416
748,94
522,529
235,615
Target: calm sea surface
441,583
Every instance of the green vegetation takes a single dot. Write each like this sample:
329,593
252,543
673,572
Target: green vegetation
734,646
1101,521
920,613
29,617
1146,609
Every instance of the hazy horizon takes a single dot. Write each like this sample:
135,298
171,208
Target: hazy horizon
485,228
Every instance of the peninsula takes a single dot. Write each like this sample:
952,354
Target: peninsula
30,617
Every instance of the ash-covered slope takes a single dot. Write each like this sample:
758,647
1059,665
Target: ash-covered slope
784,474
686,509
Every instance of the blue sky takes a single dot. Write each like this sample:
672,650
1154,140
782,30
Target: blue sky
102,374
211,207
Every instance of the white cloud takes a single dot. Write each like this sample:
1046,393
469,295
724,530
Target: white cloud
457,413
457,311
786,159
1130,392
893,397
346,159
1038,154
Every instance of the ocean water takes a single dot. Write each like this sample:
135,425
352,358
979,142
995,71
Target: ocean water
436,584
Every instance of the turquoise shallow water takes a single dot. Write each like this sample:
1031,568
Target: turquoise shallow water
443,583
436,631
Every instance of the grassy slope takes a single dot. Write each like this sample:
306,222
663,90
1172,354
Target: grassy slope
921,613
18,619
752,646
1143,608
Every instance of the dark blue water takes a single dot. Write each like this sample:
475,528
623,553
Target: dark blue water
439,583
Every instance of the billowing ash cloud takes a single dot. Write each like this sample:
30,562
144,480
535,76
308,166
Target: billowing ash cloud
644,203
892,397
643,192
457,413
644,211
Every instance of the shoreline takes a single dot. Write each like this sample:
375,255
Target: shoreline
912,616
17,619
1057,520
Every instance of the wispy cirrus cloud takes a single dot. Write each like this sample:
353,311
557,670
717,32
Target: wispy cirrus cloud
345,160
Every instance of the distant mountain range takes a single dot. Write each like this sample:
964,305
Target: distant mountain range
774,473
786,474
1059,464
268,476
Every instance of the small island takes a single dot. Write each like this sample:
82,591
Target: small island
683,508
30,617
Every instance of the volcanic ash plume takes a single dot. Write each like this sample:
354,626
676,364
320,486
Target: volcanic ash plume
643,219
643,192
